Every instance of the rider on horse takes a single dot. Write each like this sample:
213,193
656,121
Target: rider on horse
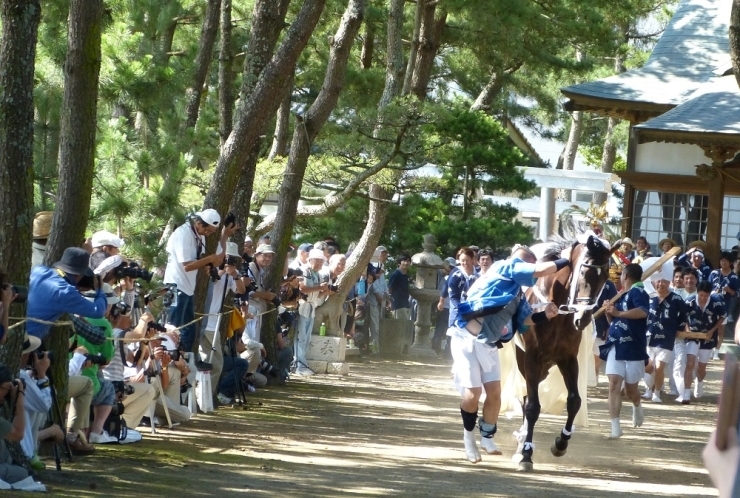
494,310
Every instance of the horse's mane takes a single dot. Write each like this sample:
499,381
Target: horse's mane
555,245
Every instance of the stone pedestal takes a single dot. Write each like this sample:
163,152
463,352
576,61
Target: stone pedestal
396,336
327,354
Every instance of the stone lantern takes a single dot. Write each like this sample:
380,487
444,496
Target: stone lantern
427,264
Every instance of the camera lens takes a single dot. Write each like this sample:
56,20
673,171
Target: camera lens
21,293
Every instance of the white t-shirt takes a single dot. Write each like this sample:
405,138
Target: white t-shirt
182,247
213,299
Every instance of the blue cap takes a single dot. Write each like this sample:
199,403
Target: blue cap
305,247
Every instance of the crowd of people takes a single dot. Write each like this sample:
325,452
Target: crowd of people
130,369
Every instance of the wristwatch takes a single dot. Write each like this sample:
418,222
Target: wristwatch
42,383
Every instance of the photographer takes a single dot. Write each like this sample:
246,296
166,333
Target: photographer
53,292
314,291
259,296
135,397
185,257
229,280
12,424
34,365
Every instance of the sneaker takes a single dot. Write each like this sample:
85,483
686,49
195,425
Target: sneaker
132,436
224,400
78,446
103,438
648,394
487,444
36,463
715,355
202,366
698,389
638,416
656,398
251,388
471,448
616,429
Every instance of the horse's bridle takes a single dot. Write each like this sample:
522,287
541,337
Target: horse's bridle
574,303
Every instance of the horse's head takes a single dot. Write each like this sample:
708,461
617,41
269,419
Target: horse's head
590,264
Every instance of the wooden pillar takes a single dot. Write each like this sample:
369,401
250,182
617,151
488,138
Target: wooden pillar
628,207
713,174
714,218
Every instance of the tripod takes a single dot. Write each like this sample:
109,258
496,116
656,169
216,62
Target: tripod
56,412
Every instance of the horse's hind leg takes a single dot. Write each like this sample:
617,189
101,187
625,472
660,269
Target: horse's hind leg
531,414
569,369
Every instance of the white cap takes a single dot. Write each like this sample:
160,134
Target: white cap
316,254
232,249
108,264
264,249
247,239
110,296
380,249
209,216
105,238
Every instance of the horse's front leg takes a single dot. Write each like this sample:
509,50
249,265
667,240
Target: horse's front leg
531,414
569,369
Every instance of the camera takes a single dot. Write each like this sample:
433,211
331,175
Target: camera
266,369
333,288
19,382
96,359
41,354
21,292
122,388
230,219
213,274
174,354
133,270
120,308
231,260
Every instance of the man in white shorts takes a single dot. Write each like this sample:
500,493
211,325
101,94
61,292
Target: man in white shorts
667,317
494,310
601,324
626,346
706,313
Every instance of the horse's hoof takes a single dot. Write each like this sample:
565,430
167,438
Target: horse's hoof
556,452
525,467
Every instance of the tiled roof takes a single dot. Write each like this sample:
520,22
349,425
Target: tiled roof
716,112
691,51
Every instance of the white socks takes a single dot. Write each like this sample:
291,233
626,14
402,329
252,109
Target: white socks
471,447
638,417
616,429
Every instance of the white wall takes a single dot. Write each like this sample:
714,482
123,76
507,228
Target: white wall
676,159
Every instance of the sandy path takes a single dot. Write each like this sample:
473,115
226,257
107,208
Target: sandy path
392,428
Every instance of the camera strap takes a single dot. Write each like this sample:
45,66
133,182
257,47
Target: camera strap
198,241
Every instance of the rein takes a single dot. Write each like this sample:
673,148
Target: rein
576,304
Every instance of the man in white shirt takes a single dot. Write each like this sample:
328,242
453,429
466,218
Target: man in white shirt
301,258
210,345
185,256
314,291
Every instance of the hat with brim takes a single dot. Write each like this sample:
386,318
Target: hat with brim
42,224
75,261
30,343
264,249
451,261
110,296
628,241
672,242
209,217
316,254
105,238
698,244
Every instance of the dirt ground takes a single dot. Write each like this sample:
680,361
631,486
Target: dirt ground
392,428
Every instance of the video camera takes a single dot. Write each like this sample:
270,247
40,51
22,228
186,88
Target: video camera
21,292
120,308
133,270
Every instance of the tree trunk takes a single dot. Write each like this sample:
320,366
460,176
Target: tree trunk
368,46
429,39
282,126
571,150
608,156
202,62
415,41
225,74
20,23
394,65
735,39
488,94
306,130
76,152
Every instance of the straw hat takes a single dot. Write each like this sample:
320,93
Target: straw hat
628,241
669,240
699,244
42,224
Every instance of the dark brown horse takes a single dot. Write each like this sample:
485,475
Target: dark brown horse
576,289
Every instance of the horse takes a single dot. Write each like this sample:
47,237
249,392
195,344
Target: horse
575,288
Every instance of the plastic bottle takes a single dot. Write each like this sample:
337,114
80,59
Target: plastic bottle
322,329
